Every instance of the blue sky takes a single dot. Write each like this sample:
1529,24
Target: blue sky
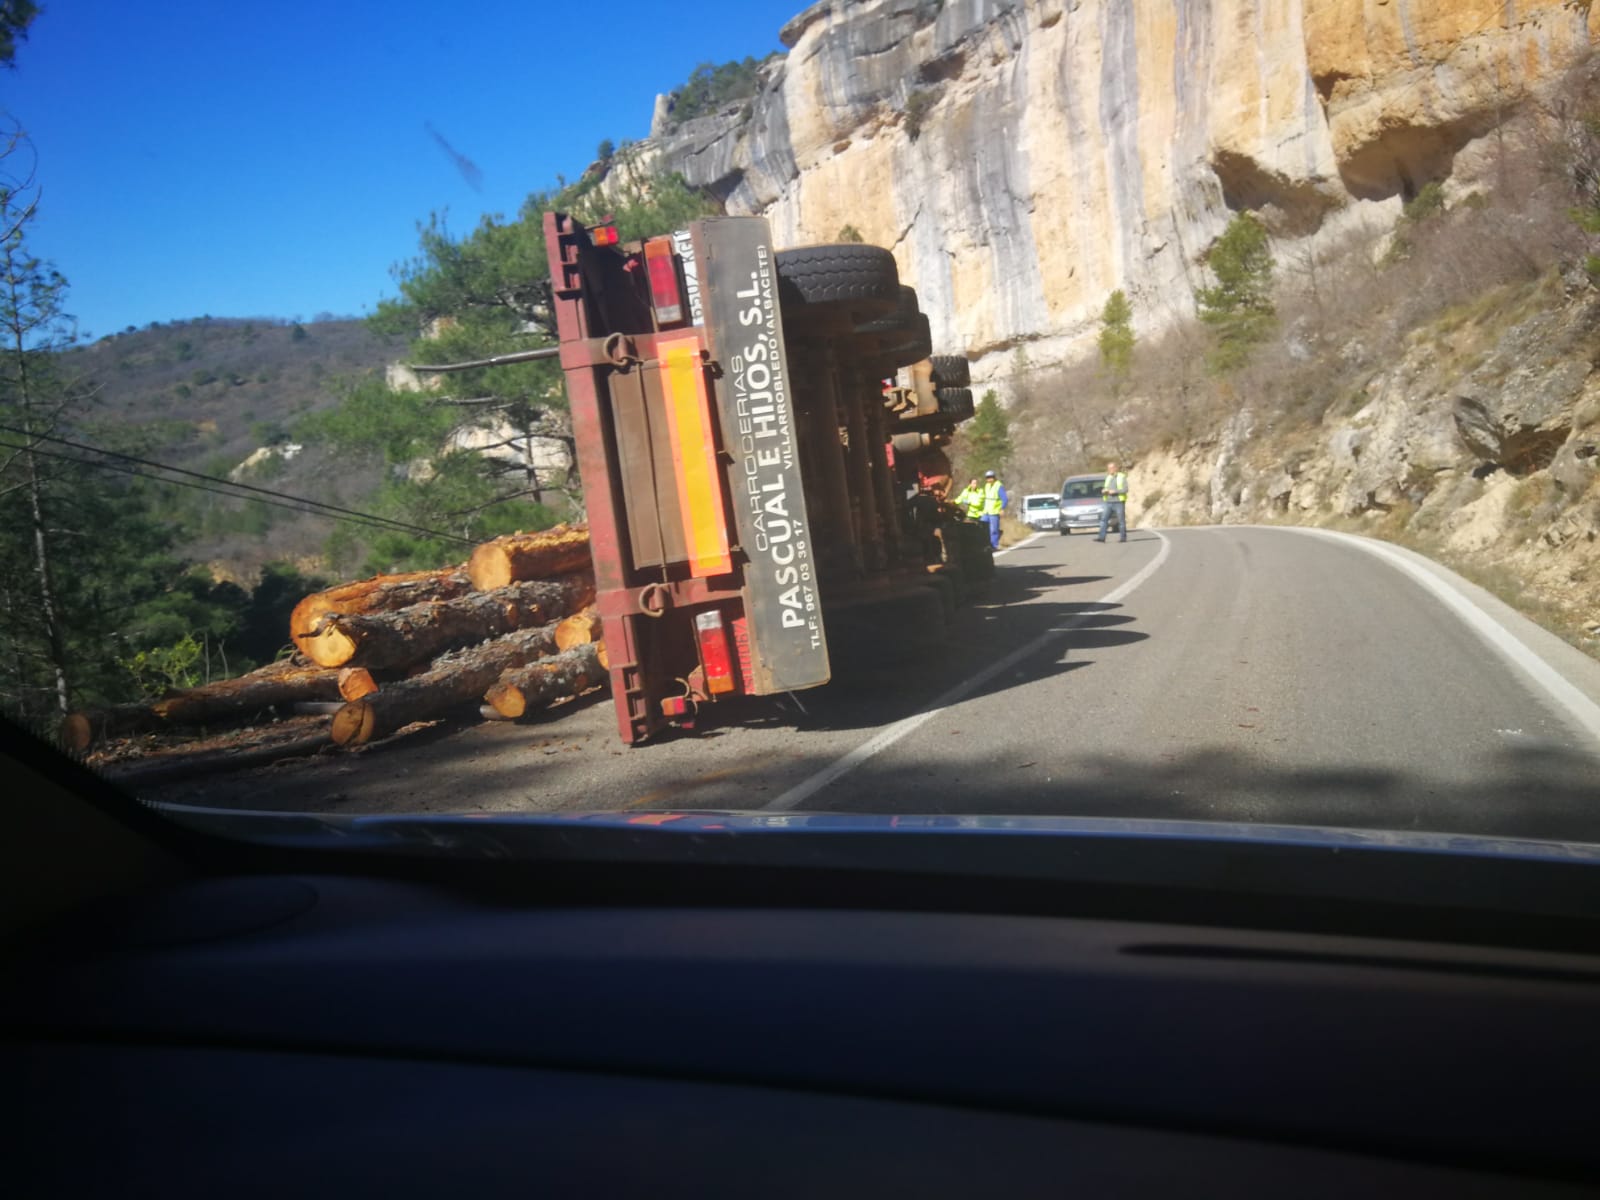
240,159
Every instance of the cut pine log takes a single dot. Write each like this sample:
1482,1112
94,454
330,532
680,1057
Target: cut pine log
167,768
356,682
540,684
381,593
578,630
518,557
455,680
82,729
290,681
412,635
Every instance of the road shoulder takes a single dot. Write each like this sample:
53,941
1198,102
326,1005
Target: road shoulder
1564,674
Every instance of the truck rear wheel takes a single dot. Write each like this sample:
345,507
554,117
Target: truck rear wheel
900,320
955,402
899,339
916,347
950,370
847,282
976,556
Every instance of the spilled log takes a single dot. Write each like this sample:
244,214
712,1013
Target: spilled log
356,682
578,630
519,557
412,635
381,593
455,680
278,684
540,684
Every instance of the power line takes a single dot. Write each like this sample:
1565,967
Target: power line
228,483
292,504
374,522
326,509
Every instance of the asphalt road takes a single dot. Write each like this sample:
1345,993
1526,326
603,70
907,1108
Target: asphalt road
1228,673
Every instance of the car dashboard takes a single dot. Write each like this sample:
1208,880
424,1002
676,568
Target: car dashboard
830,1013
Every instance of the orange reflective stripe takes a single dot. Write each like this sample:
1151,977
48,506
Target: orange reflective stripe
683,385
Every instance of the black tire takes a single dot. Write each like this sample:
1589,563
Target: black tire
901,320
971,542
916,347
951,370
1064,531
955,402
849,281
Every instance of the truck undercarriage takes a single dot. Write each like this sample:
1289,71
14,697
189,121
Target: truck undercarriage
761,437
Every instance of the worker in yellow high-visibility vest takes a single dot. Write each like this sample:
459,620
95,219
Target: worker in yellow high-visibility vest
994,503
971,498
1114,502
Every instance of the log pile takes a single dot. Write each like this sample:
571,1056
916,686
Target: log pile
514,628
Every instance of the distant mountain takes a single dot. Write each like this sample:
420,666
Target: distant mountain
222,386
206,394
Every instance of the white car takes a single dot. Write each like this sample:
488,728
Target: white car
1041,510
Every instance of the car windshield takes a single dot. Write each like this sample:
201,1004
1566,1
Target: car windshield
632,413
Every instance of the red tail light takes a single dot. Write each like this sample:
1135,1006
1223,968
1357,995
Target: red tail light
604,235
714,654
664,294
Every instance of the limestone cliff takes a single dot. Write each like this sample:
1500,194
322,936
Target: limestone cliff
1024,157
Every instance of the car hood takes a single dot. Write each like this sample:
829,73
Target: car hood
441,830
1031,863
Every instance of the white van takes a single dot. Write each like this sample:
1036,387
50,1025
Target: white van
1041,510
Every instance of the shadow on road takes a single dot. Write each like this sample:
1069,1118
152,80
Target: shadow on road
1541,794
1028,606
1524,793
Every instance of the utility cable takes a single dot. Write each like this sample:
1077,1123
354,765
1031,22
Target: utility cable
327,509
294,504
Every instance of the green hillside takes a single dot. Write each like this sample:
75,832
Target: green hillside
223,386
205,394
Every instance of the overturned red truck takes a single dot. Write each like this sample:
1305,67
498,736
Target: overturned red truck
757,476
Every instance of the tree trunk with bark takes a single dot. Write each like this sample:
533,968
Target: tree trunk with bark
522,556
47,603
540,684
455,680
229,700
381,593
411,635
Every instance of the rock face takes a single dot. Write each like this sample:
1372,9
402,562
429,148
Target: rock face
1024,157
1497,465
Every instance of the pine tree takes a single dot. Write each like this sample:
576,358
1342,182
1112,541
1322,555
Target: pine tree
1238,308
1116,336
79,557
988,436
33,401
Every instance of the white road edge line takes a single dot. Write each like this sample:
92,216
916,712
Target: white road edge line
1032,537
1584,711
884,738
